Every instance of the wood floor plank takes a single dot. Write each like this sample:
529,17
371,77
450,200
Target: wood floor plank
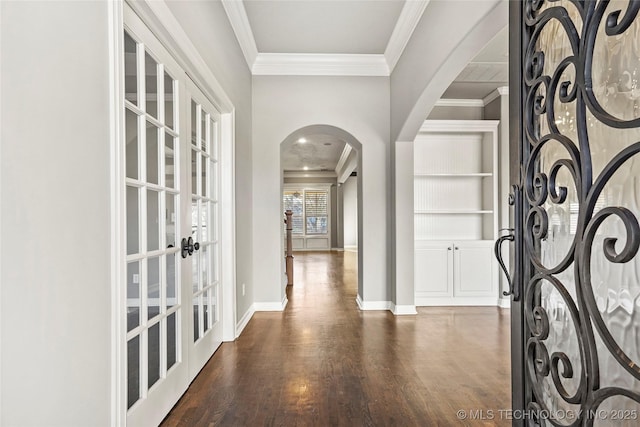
322,362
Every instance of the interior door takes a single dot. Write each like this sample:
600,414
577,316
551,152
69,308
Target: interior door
172,150
575,119
157,370
203,285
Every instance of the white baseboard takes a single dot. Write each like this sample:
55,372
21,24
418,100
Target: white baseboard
337,249
504,303
401,310
453,301
372,305
245,320
351,248
271,306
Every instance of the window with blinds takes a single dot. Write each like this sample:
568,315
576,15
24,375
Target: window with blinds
310,210
293,200
315,206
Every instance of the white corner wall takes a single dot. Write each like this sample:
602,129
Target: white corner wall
55,202
350,221
284,104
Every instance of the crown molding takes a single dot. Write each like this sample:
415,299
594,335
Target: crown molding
459,125
309,174
407,21
242,28
501,91
343,158
444,102
318,64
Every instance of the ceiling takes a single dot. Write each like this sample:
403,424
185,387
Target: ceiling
329,27
320,153
345,37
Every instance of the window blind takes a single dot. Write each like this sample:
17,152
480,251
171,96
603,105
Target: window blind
293,200
310,210
316,211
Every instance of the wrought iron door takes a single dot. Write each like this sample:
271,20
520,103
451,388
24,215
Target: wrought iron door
575,117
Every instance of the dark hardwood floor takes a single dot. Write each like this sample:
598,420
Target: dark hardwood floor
323,362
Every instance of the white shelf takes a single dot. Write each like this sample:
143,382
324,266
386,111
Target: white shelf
454,175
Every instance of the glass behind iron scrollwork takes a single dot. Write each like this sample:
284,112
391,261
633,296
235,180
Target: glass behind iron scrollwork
581,182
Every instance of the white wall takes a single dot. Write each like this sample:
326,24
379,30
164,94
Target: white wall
208,27
350,203
284,104
55,202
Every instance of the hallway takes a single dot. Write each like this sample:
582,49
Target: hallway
324,362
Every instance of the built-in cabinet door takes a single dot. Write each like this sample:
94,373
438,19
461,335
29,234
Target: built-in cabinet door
455,273
433,271
474,266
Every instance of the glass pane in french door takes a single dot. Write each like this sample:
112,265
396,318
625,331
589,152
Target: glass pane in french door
204,143
152,210
582,184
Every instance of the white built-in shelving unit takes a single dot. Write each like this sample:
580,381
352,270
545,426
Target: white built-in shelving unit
455,212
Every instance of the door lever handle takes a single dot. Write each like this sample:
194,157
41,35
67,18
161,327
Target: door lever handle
188,247
497,250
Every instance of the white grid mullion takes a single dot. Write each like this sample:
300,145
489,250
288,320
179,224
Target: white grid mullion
160,94
133,107
144,363
144,278
142,86
163,349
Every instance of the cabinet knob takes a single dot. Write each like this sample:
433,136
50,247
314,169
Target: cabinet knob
449,248
456,248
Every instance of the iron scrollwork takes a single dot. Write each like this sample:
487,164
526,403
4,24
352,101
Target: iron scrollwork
569,81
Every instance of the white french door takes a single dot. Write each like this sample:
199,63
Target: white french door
171,149
205,333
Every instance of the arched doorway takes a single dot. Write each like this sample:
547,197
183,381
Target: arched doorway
320,160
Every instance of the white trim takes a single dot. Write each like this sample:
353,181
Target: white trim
456,301
343,158
227,197
245,320
402,310
163,24
501,91
1,382
309,174
307,186
320,64
372,305
459,125
271,306
407,21
349,248
237,15
118,363
504,303
474,103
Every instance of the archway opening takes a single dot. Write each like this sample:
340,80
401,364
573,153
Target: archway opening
321,182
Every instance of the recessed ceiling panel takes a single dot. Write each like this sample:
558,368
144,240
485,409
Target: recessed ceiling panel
319,153
330,26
